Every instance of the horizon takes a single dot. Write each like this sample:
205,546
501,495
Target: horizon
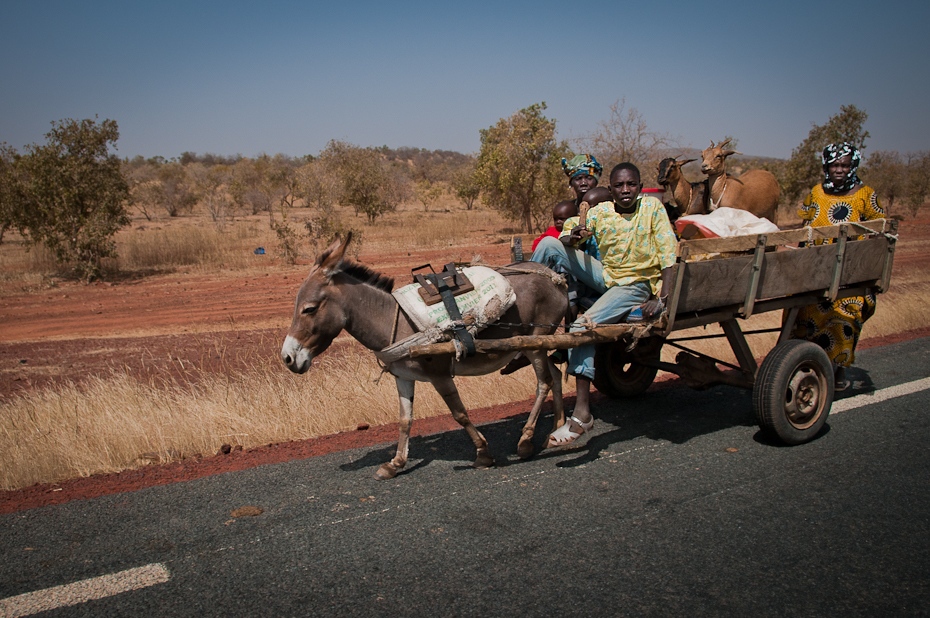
286,78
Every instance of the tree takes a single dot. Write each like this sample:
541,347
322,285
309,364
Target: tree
886,172
74,195
466,186
917,185
10,189
518,167
175,190
210,183
317,185
265,182
625,136
369,185
805,167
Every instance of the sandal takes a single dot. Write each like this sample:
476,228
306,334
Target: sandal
564,434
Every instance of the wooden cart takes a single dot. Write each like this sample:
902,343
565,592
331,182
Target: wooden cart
725,280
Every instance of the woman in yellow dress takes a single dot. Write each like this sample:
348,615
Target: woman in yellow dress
841,198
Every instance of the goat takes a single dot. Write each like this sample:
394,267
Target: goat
689,197
755,191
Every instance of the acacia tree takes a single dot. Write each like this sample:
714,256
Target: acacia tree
518,166
74,194
805,168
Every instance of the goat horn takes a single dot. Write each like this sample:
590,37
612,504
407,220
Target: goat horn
725,142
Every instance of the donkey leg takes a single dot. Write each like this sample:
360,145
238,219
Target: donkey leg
548,377
450,394
390,469
558,407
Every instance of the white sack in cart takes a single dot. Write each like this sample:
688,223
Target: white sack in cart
723,222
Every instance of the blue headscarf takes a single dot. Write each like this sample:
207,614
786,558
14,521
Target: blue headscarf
837,151
582,164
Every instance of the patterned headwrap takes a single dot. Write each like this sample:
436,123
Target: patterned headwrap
582,164
837,151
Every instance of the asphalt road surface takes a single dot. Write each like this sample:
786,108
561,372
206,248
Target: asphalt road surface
674,505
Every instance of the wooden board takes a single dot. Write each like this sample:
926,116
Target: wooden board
723,281
733,244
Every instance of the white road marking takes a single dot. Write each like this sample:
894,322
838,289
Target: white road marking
884,394
85,590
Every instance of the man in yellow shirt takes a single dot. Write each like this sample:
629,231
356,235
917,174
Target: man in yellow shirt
637,248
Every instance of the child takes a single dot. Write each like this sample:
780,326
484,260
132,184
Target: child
565,209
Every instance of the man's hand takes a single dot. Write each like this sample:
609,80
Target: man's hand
580,233
652,308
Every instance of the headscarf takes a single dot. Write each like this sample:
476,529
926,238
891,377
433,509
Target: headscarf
582,164
837,151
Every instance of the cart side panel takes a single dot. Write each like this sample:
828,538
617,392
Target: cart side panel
724,281
797,271
864,261
715,282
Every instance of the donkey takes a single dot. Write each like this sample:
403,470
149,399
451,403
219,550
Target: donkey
342,294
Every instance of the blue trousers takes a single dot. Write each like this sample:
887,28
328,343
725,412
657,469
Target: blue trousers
613,305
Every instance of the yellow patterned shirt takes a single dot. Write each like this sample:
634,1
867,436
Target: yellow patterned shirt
633,247
821,209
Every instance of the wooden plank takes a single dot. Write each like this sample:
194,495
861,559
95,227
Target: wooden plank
714,283
865,261
601,334
732,244
797,271
723,281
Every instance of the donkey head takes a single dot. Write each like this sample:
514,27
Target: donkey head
318,315
714,158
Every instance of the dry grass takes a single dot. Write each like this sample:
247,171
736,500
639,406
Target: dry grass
117,421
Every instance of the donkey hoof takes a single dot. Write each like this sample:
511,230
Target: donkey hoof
525,448
483,462
386,471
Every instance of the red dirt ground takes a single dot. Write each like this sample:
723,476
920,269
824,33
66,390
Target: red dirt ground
168,325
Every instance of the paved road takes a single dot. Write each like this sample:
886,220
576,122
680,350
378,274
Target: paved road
674,506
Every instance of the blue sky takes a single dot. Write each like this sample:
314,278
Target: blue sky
275,76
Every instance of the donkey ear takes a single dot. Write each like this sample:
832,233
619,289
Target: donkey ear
331,259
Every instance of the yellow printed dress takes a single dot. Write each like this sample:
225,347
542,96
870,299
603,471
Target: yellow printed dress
835,326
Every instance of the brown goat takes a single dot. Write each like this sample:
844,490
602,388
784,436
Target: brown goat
755,191
689,197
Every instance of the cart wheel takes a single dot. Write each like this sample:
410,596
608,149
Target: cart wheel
793,392
617,372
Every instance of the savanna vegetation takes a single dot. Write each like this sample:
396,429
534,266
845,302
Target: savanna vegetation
70,208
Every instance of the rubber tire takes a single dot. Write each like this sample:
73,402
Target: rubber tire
616,372
793,391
